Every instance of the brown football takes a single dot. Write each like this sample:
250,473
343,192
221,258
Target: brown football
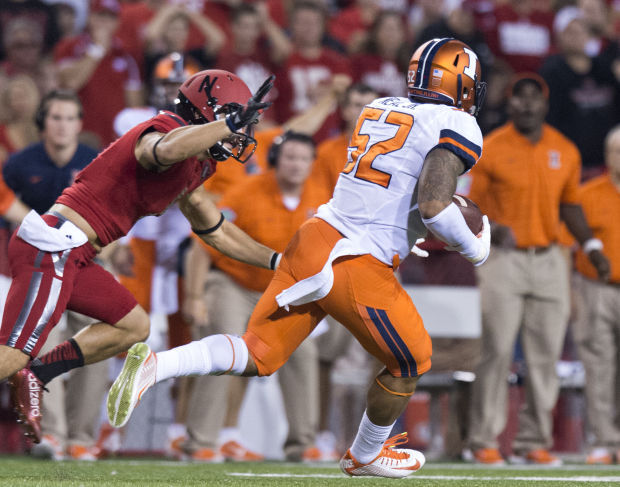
470,211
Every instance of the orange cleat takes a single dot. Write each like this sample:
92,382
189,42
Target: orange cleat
82,453
207,455
236,452
27,392
488,456
599,456
391,462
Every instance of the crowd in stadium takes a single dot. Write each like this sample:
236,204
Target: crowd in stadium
553,72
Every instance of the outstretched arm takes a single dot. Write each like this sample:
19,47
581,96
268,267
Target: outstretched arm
156,151
208,223
436,187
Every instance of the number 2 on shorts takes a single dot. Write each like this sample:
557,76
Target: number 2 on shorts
363,156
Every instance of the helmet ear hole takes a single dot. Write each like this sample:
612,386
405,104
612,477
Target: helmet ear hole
456,60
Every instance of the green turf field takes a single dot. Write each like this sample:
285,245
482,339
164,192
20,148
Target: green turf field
23,471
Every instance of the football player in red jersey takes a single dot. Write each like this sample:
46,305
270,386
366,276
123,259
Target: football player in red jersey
163,160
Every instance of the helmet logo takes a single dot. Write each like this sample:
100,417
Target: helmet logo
207,86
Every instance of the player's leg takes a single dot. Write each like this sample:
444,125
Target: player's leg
121,323
368,300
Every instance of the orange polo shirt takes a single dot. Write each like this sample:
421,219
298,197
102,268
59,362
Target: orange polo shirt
601,204
331,157
256,206
7,197
521,184
232,172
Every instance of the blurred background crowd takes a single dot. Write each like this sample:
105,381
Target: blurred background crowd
125,59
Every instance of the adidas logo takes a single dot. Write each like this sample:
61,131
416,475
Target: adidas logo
34,391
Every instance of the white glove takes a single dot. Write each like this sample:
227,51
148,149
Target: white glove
417,250
484,248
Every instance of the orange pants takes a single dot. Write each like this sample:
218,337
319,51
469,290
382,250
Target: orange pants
365,297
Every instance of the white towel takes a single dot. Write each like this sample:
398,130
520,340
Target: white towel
39,234
319,285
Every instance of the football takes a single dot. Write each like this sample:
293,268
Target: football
470,211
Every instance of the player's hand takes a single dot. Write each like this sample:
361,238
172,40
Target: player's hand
417,250
194,311
248,114
601,264
484,237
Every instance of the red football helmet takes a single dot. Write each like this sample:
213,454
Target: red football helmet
212,94
446,71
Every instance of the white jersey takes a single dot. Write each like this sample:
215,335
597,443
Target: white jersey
375,199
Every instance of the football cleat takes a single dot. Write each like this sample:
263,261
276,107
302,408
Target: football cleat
391,462
136,377
27,392
206,455
235,452
488,456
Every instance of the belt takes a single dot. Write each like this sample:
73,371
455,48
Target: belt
534,250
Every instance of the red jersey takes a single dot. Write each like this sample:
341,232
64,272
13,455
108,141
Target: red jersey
103,95
298,86
114,191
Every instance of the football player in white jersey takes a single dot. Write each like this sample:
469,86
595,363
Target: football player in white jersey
400,174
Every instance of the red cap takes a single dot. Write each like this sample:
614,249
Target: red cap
109,6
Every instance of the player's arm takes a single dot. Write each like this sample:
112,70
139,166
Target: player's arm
158,152
209,224
16,211
575,219
196,267
441,216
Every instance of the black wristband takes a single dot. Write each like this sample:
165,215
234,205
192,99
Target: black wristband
274,260
210,230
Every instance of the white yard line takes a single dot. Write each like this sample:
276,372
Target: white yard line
436,477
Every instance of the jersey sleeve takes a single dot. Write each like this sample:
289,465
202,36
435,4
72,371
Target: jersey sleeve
459,133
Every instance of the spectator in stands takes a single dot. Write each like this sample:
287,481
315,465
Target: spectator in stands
385,54
169,31
459,22
70,16
19,100
24,49
38,174
332,153
597,332
519,32
97,67
596,16
584,101
309,67
258,44
425,12
31,10
270,206
526,182
350,26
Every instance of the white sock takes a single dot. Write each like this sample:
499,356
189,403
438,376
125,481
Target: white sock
369,440
213,355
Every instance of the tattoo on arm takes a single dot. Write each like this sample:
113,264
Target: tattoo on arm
438,177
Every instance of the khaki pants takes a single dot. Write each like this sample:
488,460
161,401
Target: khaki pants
596,330
528,294
229,307
71,408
